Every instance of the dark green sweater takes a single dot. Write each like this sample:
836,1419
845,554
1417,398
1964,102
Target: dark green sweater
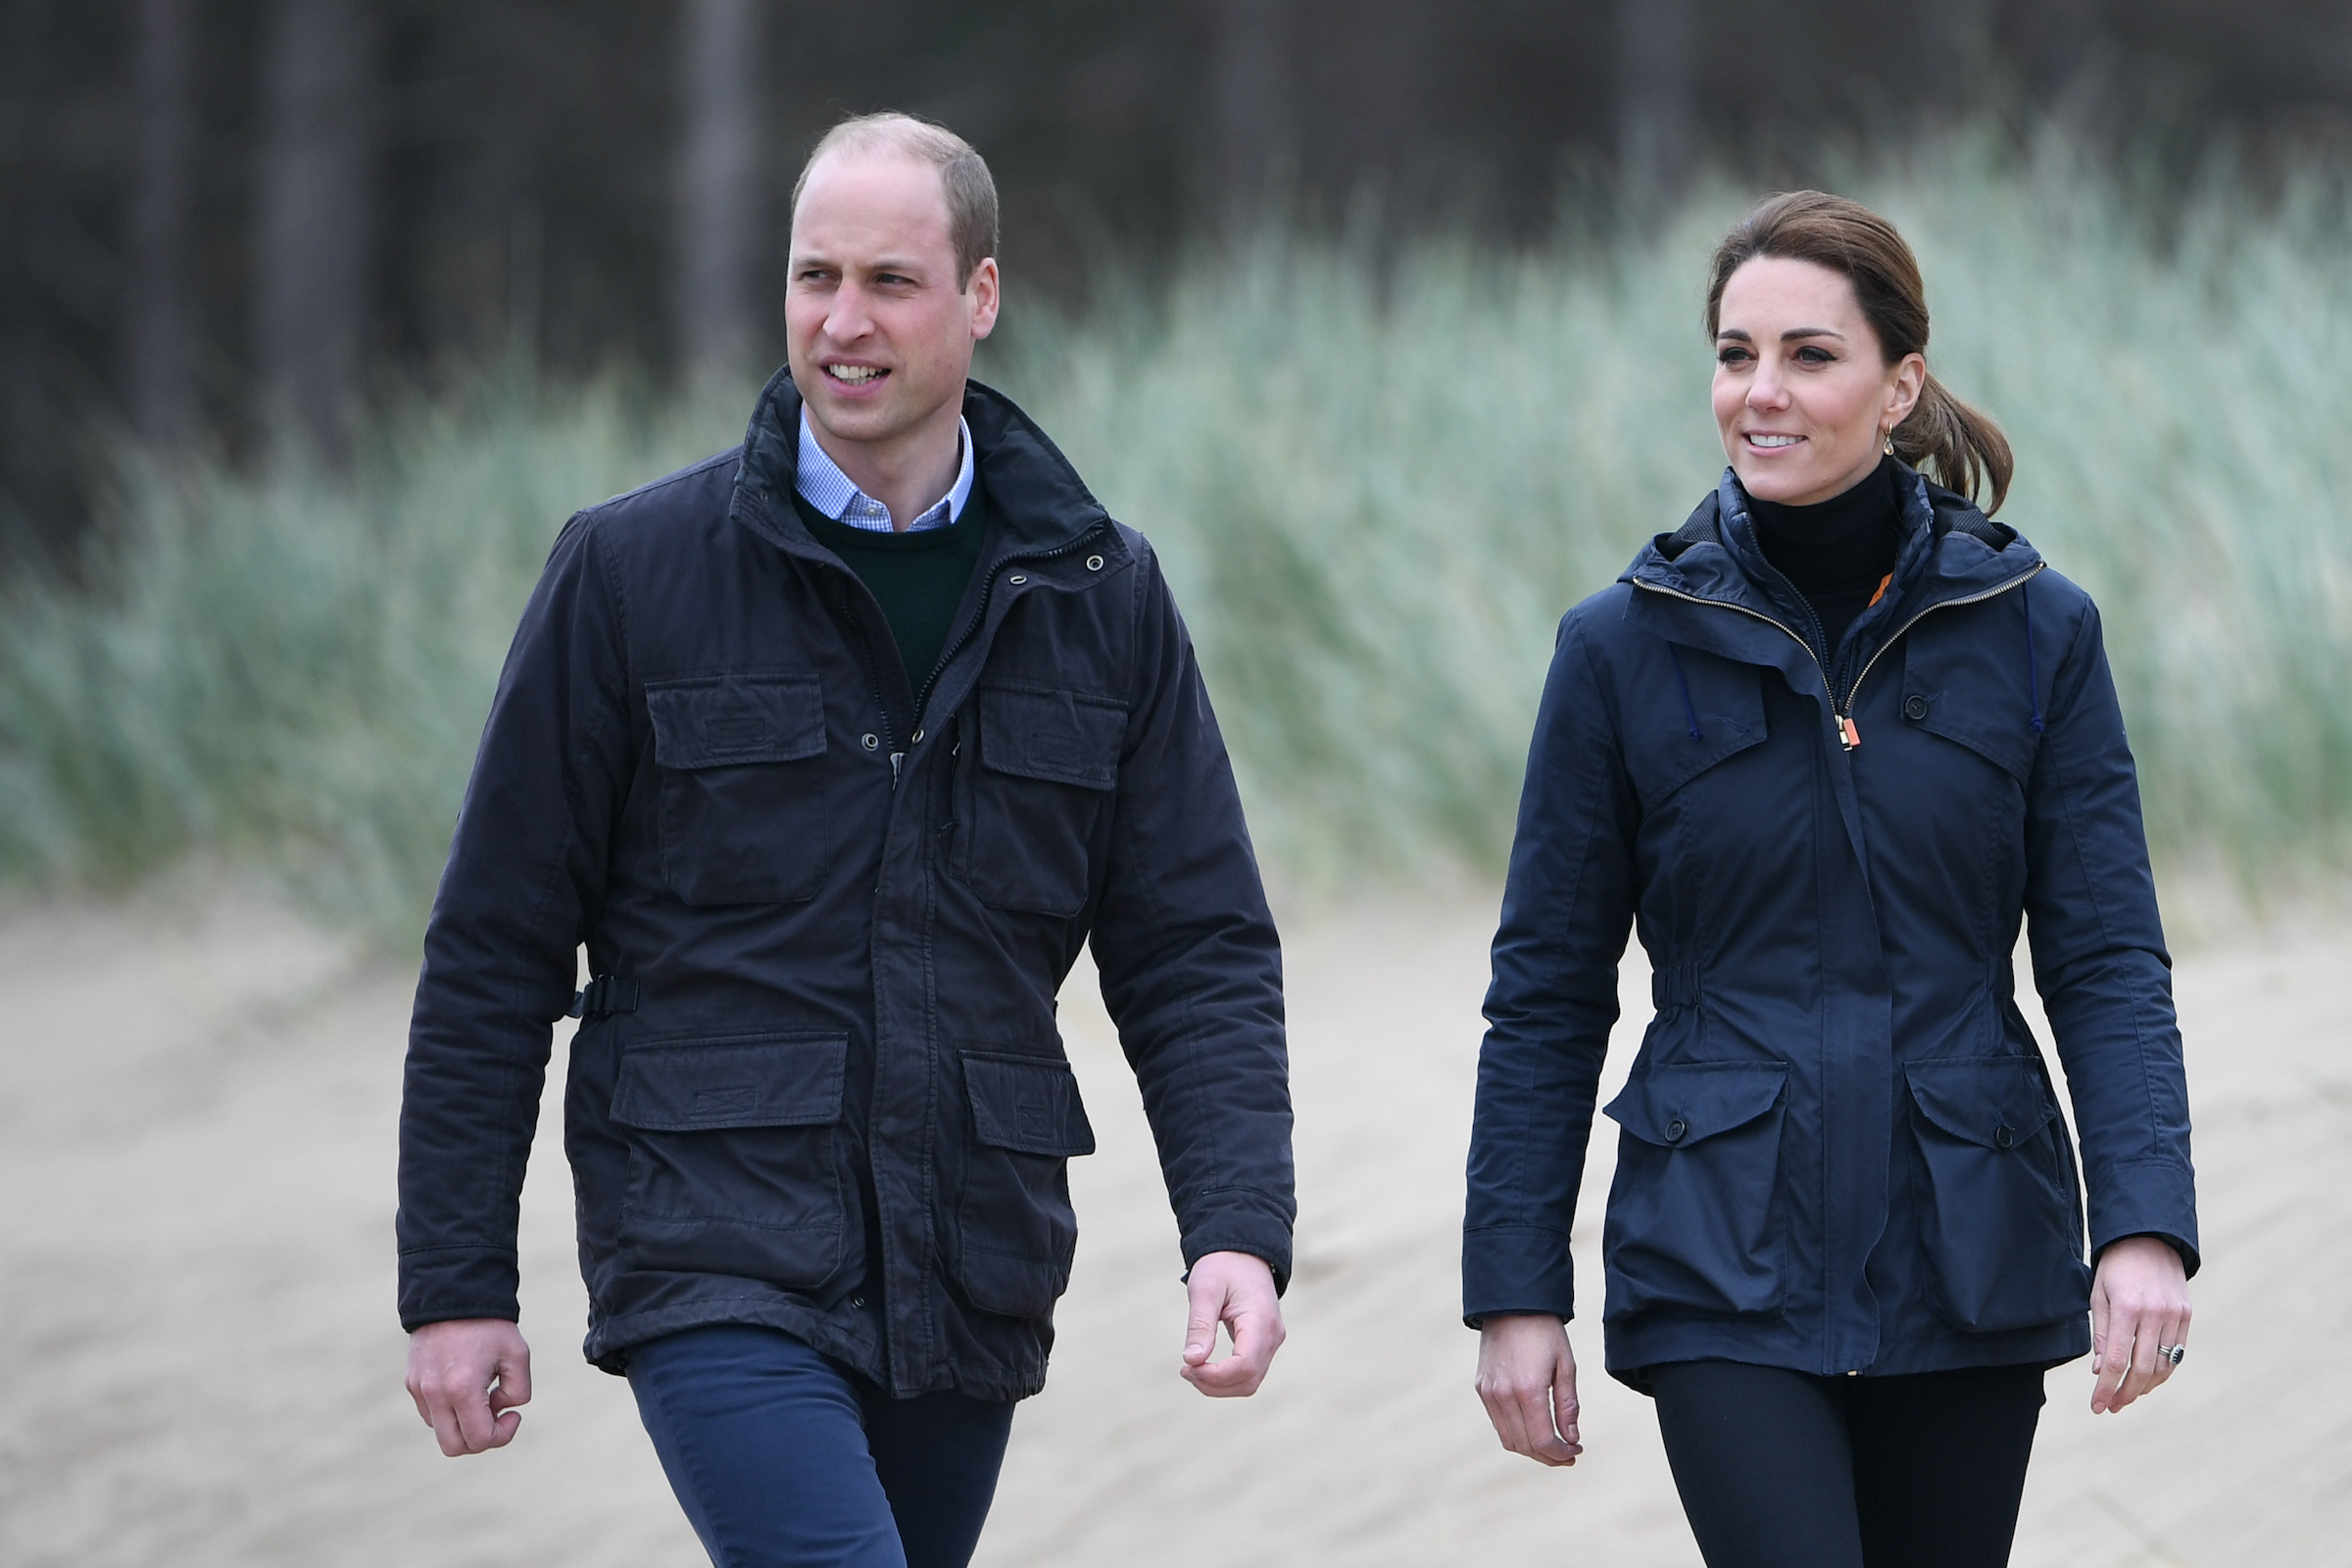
918,578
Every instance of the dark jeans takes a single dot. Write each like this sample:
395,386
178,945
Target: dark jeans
785,1459
1785,1470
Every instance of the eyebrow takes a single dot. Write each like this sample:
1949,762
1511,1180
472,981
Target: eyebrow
1740,334
907,265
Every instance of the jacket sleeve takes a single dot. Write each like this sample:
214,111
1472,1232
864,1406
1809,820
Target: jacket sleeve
525,875
2099,958
1191,966
1566,908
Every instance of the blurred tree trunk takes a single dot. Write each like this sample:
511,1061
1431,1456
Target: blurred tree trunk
718,191
154,315
317,219
1656,44
1251,86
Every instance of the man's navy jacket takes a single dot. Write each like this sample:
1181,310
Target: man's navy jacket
834,913
1839,1148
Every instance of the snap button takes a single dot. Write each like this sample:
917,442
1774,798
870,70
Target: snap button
1915,706
1094,562
2002,1137
918,739
1675,1130
1018,578
869,742
859,1302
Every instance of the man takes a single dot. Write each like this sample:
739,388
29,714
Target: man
832,751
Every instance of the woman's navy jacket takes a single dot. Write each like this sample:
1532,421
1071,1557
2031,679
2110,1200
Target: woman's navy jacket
1840,1148
822,1089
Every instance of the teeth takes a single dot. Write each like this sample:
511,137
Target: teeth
854,375
1770,442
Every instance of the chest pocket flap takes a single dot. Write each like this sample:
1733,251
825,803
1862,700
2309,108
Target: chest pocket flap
1726,704
731,720
1966,682
1061,737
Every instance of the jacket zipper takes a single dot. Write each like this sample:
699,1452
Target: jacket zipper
979,618
1848,737
865,649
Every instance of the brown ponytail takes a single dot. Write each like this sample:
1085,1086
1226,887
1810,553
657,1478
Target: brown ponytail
1955,445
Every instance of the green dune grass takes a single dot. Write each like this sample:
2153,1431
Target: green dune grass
1377,483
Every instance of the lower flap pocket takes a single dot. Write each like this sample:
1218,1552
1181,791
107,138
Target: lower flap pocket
1695,1222
1999,1226
1015,1233
790,1080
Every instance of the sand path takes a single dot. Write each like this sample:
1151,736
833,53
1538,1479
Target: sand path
197,1363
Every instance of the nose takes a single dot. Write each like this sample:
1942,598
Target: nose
847,319
1766,391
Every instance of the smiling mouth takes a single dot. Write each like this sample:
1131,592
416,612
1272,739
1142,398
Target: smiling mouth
1772,443
855,374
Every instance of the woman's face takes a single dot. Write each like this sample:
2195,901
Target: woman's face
1803,395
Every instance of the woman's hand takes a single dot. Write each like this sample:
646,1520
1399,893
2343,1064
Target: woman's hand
2138,1302
1526,1377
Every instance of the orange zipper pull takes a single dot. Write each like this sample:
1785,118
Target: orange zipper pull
1882,593
1847,733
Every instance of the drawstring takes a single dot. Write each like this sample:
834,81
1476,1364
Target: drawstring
1691,714
2033,685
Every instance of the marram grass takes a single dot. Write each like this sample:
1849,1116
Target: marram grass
1376,486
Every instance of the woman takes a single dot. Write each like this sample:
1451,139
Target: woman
1823,747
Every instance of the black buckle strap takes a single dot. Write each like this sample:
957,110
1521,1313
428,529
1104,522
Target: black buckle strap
606,994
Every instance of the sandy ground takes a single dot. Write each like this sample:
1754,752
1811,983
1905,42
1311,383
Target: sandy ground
199,1364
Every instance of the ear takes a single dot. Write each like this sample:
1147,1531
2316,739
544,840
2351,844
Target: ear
981,290
1909,379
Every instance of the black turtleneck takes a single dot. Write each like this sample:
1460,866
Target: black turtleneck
1836,552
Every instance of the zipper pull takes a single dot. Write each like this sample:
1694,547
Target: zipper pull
1846,733
896,757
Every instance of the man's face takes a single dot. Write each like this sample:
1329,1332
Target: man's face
880,326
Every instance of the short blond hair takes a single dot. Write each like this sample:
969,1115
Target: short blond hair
964,176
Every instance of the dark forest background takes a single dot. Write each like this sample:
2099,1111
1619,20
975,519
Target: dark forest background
234,225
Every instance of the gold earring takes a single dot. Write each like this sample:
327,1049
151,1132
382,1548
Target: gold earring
1888,437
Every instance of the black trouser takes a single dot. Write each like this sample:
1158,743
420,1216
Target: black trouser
1783,1469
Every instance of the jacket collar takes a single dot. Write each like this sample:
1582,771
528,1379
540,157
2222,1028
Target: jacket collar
1037,503
1951,551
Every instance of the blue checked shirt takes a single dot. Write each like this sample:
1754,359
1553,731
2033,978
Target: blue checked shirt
822,484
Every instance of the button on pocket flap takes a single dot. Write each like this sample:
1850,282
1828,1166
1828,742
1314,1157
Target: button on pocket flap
1968,685
1062,737
1027,1103
1678,1107
729,720
754,1081
1994,1101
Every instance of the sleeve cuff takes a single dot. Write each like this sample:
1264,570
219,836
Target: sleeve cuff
440,1283
1516,1269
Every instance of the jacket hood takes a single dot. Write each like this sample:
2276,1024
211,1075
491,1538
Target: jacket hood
1034,493
1949,550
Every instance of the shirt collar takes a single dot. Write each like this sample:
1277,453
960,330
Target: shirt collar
833,493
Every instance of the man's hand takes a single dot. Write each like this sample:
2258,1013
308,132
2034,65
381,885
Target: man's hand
467,1376
1527,1378
2138,1302
1236,1290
